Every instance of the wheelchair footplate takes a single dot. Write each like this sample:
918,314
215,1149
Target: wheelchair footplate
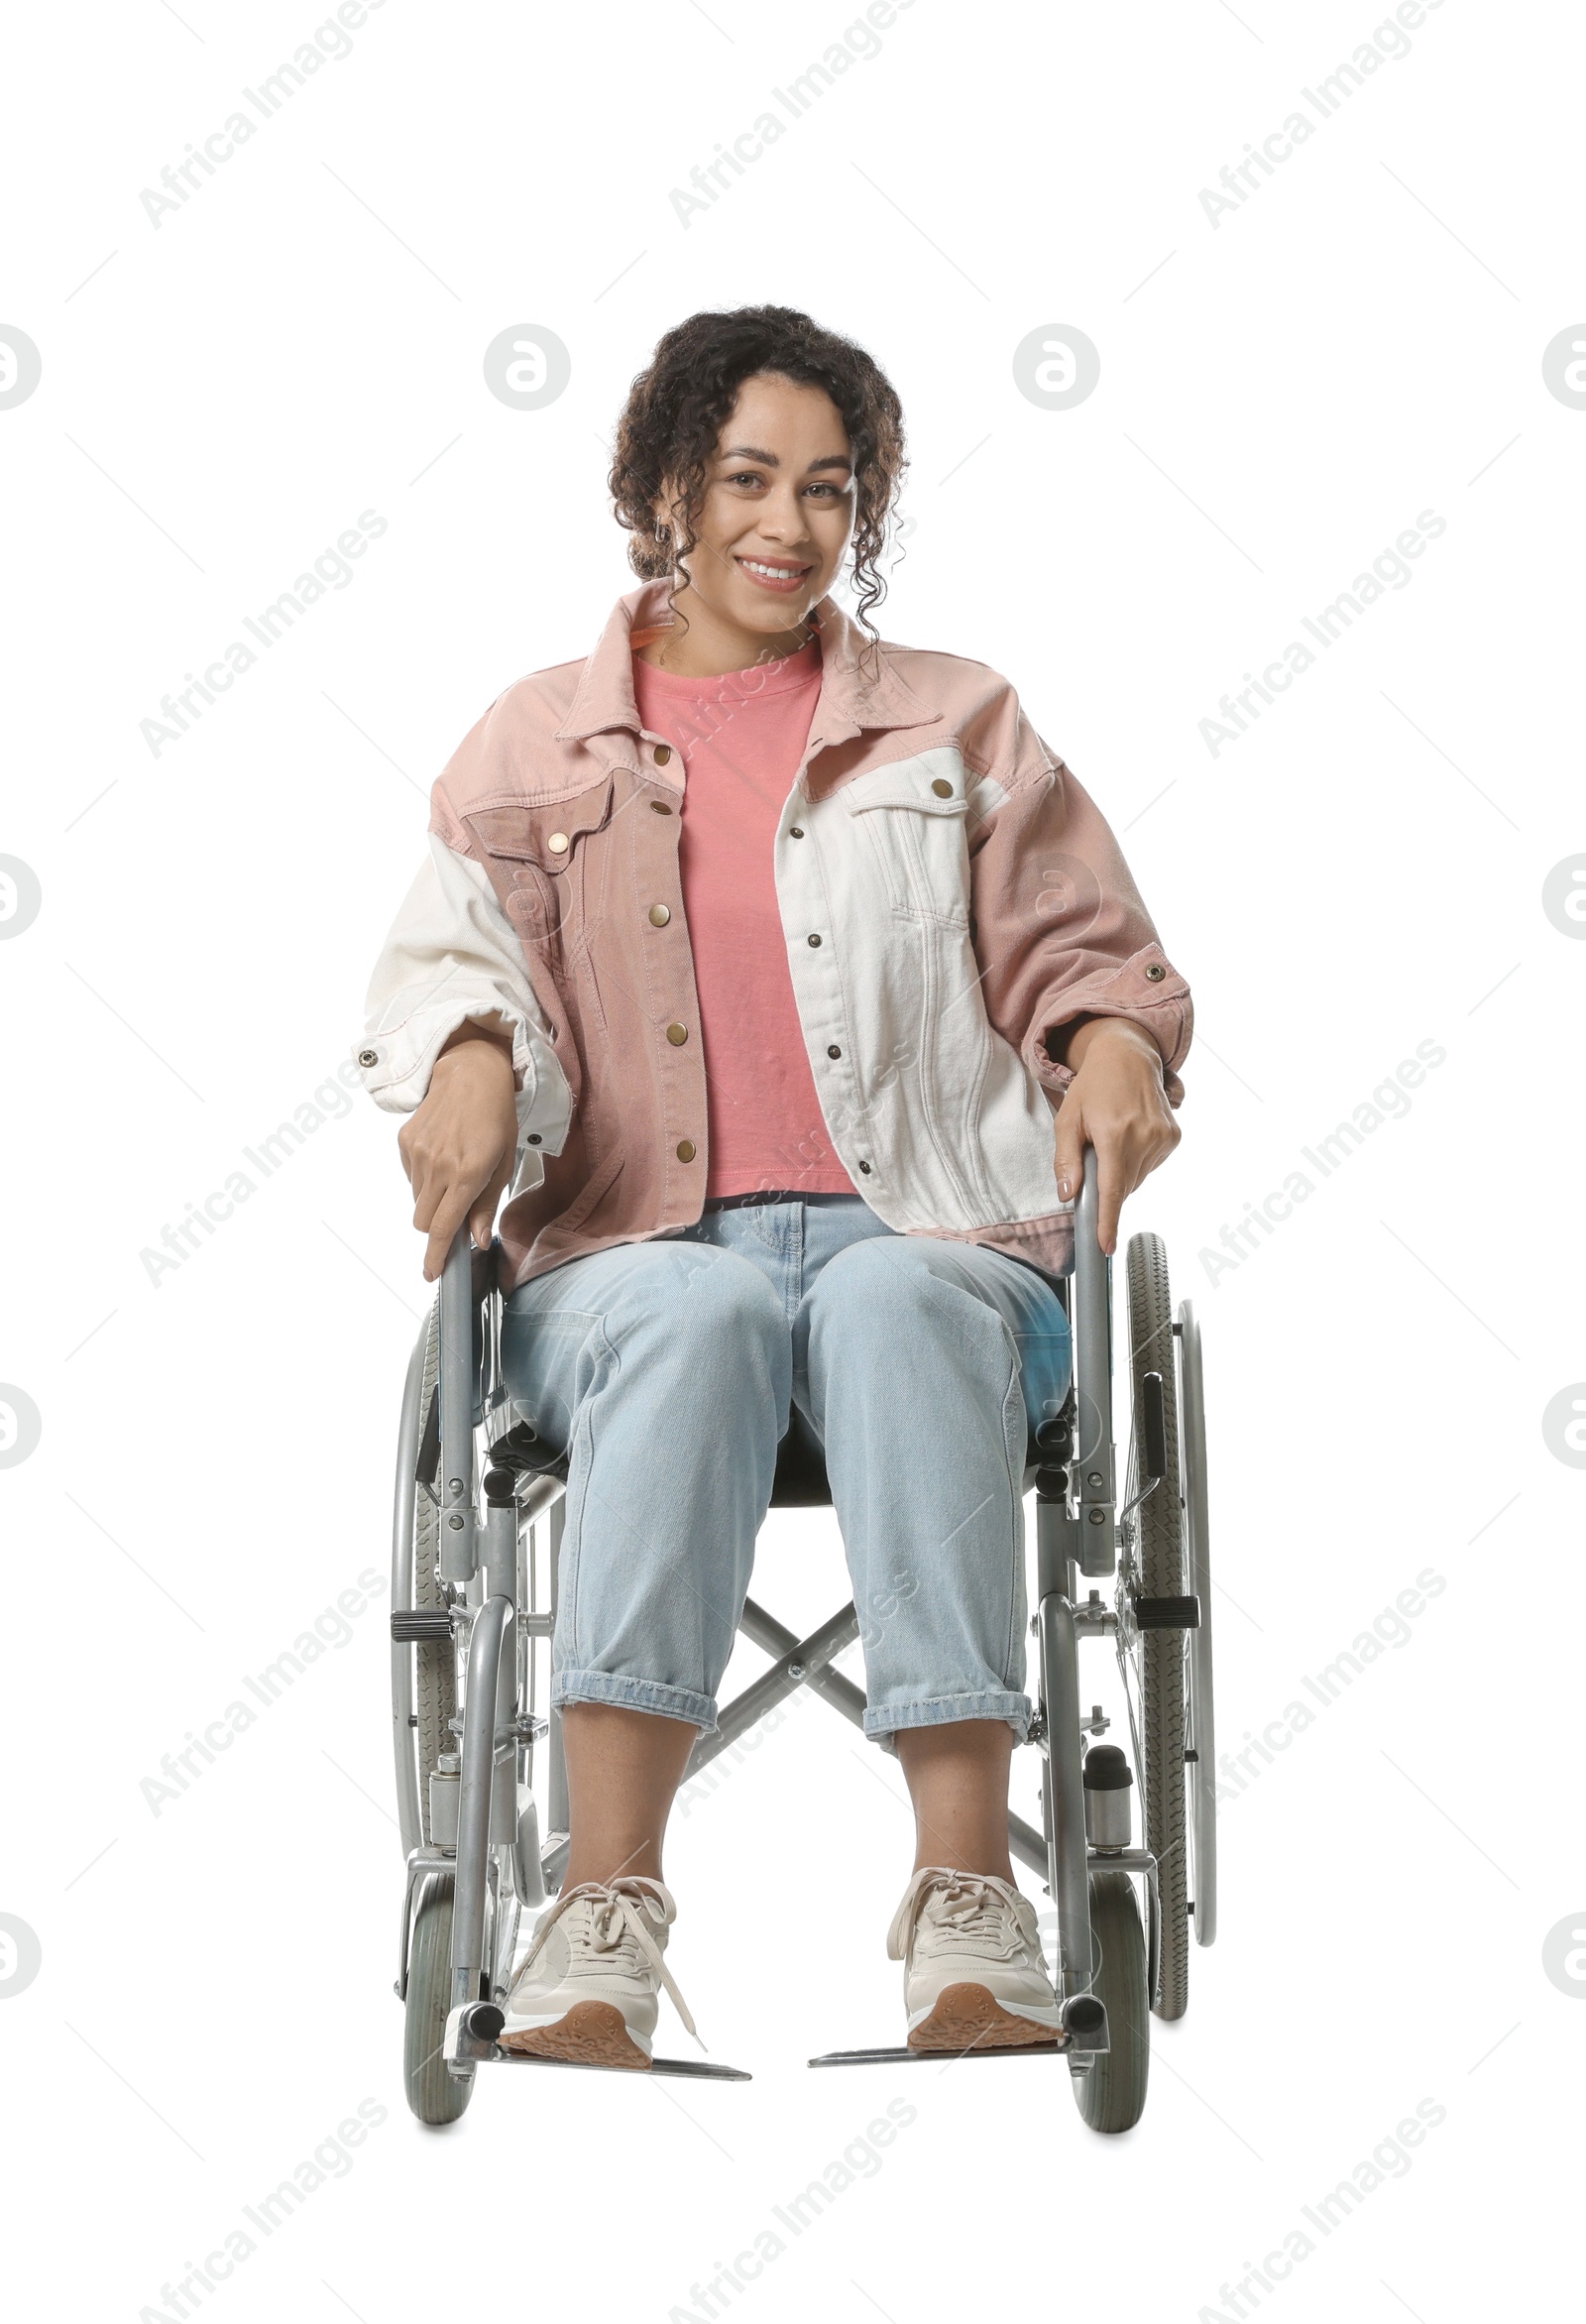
873,2057
1084,2028
699,2068
471,2029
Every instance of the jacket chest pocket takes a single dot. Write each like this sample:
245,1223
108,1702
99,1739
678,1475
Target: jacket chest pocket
548,860
917,842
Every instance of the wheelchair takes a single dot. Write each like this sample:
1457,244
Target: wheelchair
481,1783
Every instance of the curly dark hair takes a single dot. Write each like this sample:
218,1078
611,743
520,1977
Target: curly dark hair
675,409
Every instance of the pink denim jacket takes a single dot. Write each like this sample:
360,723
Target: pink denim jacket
950,896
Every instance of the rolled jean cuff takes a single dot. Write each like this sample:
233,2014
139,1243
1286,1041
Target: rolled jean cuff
671,1703
939,1709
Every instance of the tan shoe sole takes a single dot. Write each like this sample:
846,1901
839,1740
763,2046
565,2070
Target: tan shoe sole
968,2016
591,2035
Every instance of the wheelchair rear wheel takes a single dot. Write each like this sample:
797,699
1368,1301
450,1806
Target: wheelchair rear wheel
434,1659
1198,1557
434,2095
1152,1566
1112,2093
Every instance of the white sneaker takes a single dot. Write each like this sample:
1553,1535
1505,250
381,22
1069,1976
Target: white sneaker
586,1989
974,1976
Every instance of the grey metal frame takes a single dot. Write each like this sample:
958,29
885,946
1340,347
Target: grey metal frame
491,1576
1076,1538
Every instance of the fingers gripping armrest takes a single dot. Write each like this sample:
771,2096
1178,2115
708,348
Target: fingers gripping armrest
451,955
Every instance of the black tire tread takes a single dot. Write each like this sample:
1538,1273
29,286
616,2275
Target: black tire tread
435,1661
434,2095
1160,1523
1112,2097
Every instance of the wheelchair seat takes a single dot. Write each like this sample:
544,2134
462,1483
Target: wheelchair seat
800,1481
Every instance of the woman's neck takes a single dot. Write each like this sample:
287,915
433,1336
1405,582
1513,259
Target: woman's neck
712,647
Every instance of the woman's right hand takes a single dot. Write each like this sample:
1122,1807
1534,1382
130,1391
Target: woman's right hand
459,1145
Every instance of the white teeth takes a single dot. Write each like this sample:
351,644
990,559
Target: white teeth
772,572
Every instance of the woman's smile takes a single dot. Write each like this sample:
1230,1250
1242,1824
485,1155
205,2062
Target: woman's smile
780,576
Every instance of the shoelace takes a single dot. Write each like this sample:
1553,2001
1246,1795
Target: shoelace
966,1913
615,1929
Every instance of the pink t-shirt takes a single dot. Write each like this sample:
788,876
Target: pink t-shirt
742,737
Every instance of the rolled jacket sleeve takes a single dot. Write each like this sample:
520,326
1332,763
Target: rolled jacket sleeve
1060,928
452,954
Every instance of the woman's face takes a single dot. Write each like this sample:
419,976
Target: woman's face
778,508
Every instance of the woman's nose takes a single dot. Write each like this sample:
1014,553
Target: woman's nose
782,519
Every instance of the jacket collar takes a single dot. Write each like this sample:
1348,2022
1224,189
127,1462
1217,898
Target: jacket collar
851,700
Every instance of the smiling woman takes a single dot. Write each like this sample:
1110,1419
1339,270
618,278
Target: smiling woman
814,455
784,972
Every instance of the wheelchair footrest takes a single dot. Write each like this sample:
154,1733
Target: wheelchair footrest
699,2068
926,2057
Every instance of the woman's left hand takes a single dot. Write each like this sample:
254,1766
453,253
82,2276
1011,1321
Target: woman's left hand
1116,1102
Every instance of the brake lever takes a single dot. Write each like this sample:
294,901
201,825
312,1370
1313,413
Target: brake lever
1154,1436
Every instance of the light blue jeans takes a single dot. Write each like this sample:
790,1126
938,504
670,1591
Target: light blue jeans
666,1368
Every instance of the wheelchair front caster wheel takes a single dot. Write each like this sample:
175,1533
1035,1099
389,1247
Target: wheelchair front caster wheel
1112,2094
434,2094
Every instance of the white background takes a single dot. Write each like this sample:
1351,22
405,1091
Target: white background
1280,397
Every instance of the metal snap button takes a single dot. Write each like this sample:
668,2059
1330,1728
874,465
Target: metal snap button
833,1050
942,790
1155,971
557,843
866,1167
369,1056
664,752
534,1138
659,915
677,1036
815,940
794,832
685,1151
659,807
